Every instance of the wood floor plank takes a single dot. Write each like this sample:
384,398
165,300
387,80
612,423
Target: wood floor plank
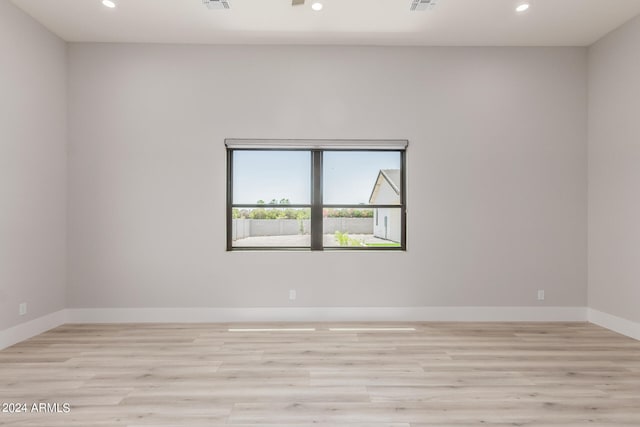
440,374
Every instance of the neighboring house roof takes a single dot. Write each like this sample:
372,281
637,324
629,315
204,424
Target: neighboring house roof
391,177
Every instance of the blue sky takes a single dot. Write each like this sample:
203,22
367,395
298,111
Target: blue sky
349,176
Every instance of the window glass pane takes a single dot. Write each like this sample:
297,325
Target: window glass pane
379,227
361,177
271,227
356,185
272,176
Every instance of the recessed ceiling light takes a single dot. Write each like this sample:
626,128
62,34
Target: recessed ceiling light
523,6
109,3
317,6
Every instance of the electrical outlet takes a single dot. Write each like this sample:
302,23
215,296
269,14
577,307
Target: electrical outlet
22,309
292,294
540,294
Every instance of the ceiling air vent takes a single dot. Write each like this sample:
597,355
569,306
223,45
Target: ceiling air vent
422,5
216,4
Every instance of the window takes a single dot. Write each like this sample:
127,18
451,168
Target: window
317,195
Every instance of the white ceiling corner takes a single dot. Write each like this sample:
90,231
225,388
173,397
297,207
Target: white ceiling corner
343,22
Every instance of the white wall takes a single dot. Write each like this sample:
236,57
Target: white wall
33,126
497,179
614,173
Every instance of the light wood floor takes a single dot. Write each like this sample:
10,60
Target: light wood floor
442,374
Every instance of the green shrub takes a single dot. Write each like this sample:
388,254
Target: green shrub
344,240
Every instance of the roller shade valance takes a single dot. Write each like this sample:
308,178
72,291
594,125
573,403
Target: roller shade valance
318,144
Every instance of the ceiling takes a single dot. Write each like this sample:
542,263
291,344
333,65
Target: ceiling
350,22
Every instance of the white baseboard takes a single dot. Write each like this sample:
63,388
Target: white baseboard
331,314
24,331
615,323
18,333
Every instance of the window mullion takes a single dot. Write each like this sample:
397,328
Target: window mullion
316,201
